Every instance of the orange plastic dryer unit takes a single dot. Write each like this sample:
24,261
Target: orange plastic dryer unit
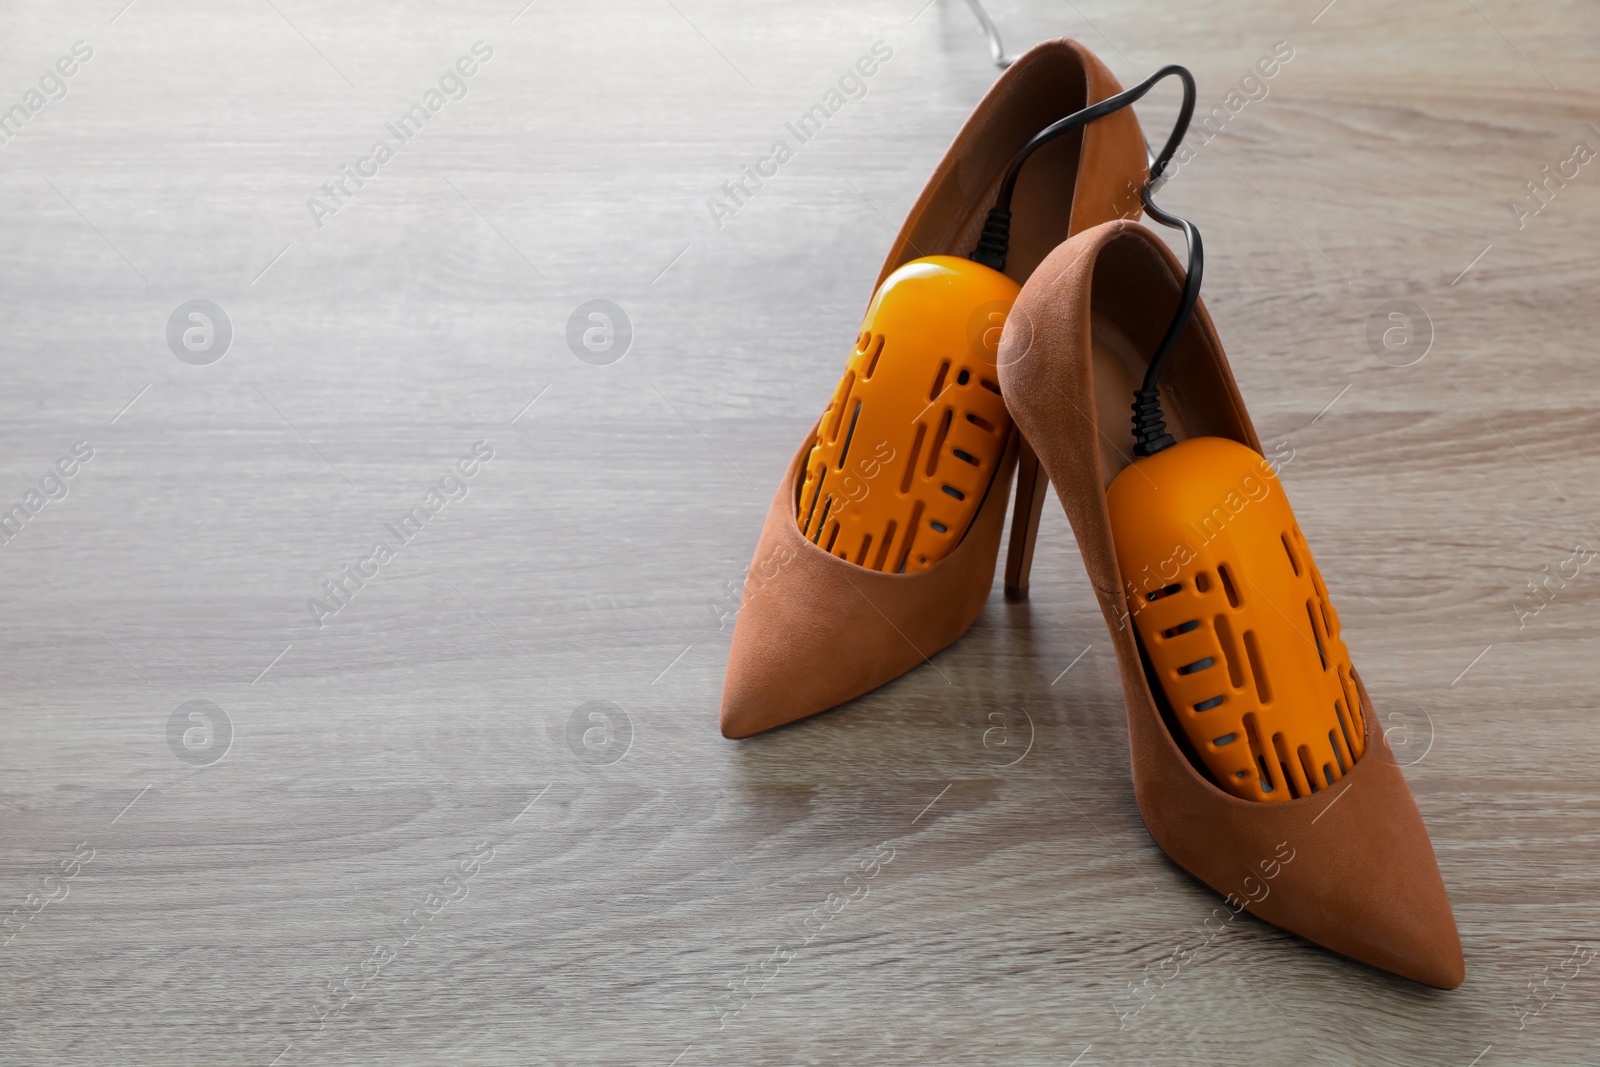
909,444
1235,620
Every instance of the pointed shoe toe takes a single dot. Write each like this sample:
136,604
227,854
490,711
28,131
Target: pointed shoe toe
814,630
1348,866
1384,902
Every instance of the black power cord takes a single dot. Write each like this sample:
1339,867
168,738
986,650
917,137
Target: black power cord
1149,426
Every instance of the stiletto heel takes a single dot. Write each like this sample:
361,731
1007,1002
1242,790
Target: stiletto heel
1025,516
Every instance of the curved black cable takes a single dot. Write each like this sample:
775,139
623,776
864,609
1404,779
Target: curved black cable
1149,427
1099,110
1150,434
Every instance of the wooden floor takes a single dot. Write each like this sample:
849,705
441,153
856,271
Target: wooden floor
476,809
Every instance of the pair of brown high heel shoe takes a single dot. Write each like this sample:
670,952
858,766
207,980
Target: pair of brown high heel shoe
1097,291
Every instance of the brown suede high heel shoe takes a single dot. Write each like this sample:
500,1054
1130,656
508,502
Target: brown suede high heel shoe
815,630
1348,865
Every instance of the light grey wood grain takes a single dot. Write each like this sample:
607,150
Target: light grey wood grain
1014,905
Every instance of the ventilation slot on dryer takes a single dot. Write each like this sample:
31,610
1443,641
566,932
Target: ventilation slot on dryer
1289,551
872,358
1340,745
911,535
884,546
826,507
1230,649
1308,767
1258,753
1316,633
1258,667
911,464
1330,621
805,527
1293,772
1226,578
1352,739
844,452
845,388
938,441
1358,722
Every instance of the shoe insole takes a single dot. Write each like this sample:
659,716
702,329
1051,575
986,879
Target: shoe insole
1118,371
